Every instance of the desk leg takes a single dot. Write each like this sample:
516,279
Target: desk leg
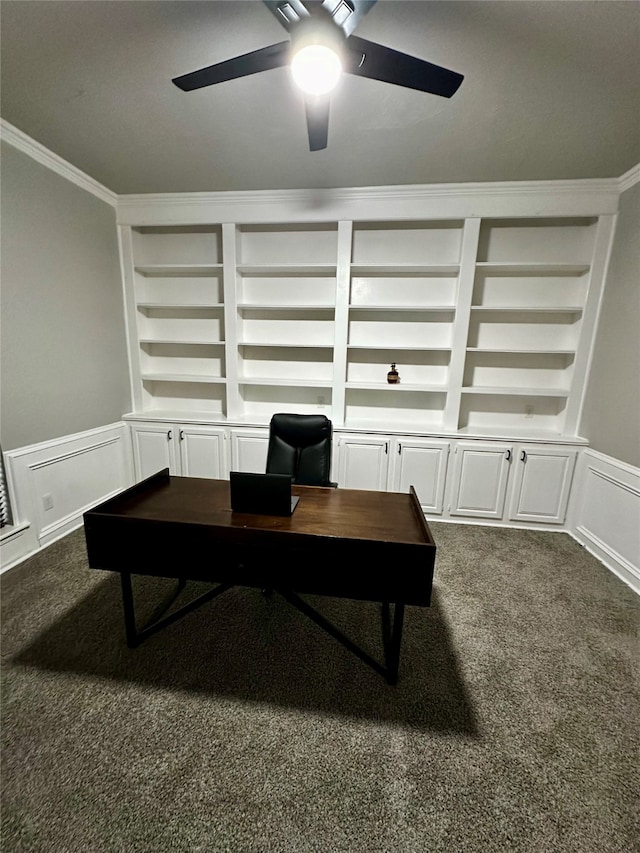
129,613
394,642
135,636
392,635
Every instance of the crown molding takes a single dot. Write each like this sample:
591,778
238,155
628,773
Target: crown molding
400,192
585,197
15,137
630,178
309,199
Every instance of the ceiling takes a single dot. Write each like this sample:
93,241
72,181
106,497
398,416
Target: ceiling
551,91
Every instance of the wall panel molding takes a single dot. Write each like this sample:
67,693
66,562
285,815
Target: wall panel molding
605,514
54,482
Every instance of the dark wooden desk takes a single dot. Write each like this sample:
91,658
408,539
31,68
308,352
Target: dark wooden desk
347,543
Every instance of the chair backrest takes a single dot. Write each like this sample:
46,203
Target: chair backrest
300,445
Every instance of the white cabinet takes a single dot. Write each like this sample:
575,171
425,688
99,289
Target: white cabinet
508,482
538,478
542,481
479,479
153,449
394,463
421,463
187,450
363,462
249,450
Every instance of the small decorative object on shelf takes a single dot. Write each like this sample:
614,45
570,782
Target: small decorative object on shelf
393,377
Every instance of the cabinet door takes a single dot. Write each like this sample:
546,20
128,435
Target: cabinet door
480,479
249,450
542,480
423,465
203,452
363,462
154,448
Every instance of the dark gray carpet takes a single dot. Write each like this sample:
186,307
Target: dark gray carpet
244,727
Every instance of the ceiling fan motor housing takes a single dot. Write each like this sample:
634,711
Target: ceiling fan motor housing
317,30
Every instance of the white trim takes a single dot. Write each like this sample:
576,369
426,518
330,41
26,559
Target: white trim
74,519
630,178
614,481
36,549
607,488
52,460
16,544
76,471
390,192
45,157
614,556
28,449
11,530
583,358
588,197
586,188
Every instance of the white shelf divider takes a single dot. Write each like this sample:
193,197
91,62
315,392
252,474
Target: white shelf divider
603,244
413,309
532,269
179,270
269,270
229,261
341,329
522,391
302,382
468,255
184,377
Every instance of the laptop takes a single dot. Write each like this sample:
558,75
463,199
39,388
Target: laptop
263,494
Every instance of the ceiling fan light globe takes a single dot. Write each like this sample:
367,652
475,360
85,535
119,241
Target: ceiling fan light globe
316,69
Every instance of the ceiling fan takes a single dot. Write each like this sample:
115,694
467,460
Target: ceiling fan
320,48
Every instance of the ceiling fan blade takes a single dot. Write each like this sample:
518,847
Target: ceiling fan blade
287,12
317,110
368,59
348,13
273,56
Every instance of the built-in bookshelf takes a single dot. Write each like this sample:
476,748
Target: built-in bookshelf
530,289
489,321
403,287
179,305
285,300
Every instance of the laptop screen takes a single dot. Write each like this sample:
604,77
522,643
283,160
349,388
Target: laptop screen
261,494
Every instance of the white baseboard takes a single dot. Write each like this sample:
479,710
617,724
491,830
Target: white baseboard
16,544
54,482
605,514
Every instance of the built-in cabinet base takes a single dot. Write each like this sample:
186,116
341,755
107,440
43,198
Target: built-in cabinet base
186,450
525,483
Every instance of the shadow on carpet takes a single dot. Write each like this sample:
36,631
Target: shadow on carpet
258,648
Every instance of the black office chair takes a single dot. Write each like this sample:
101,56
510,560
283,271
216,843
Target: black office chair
300,445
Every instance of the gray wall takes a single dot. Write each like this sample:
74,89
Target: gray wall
62,338
611,416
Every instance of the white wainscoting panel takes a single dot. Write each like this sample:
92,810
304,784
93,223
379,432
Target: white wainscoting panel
54,482
605,514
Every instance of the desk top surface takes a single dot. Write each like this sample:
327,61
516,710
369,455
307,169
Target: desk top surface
334,513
